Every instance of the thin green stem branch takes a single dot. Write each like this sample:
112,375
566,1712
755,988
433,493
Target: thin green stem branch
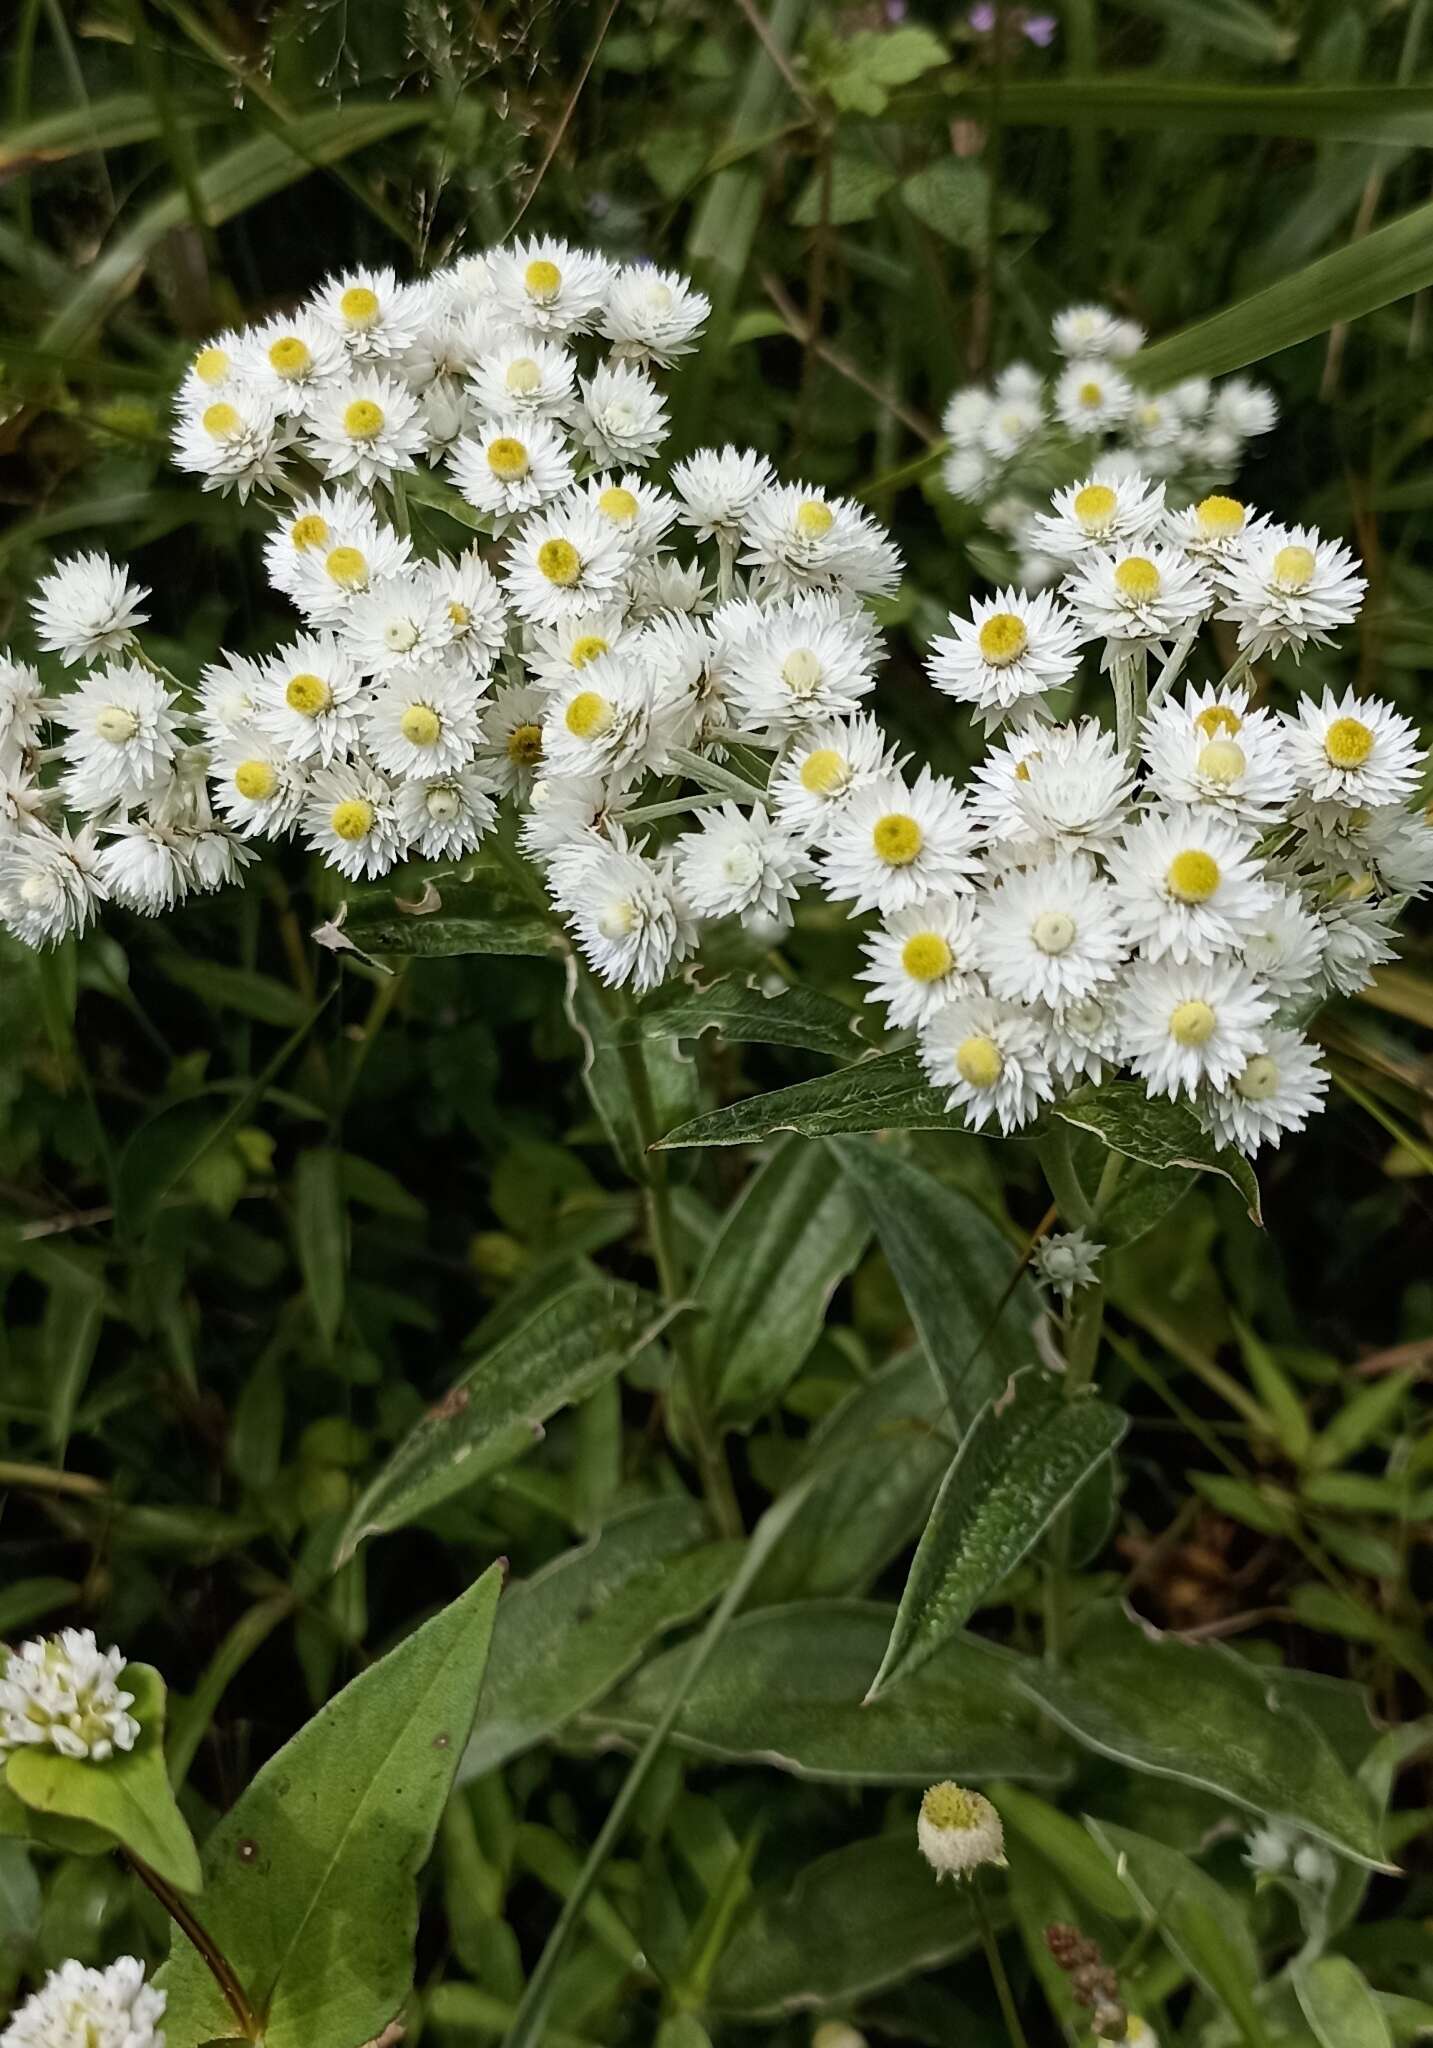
1014,2031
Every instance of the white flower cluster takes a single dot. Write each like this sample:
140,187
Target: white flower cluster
77,2007
63,1691
1005,436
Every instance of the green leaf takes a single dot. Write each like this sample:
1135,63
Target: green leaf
1205,1717
321,1234
496,1410
1027,1454
1065,1844
127,1795
865,1916
954,1268
858,70
743,1014
858,184
108,123
310,1878
786,1686
887,1093
793,1234
1152,102
74,1317
1204,1926
1236,26
1164,1135
486,916
569,1634
240,989
1339,2005
952,196
27,1600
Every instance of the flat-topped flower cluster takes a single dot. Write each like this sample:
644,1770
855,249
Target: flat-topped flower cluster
669,681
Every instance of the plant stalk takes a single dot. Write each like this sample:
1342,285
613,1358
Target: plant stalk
215,1960
1014,2031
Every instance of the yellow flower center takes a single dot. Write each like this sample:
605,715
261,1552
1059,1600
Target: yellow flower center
346,567
221,422
1294,568
1003,639
926,957
1022,768
586,647
363,420
211,366
353,818
588,715
255,780
897,839
522,377
1218,516
948,1805
801,672
1091,394
617,505
618,920
1221,761
359,306
1193,875
1053,931
813,518
525,745
116,723
824,772
507,458
542,280
1137,578
311,531
290,357
1217,719
308,694
1348,743
1191,1023
979,1061
1259,1080
459,615
1093,506
559,562
420,725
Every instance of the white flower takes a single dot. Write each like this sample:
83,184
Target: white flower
1050,933
1103,512
800,539
289,357
512,740
1090,397
967,473
88,607
1353,750
564,559
513,464
350,817
1242,409
236,443
49,883
212,369
329,547
229,693
1216,531
1068,786
121,735
367,427
375,318
1189,882
1358,937
965,414
653,315
476,611
77,2007
398,622
1082,1039
804,662
740,864
1013,421
1137,600
631,504
421,723
1093,331
22,713
257,785
1398,846
309,704
1290,587
145,867
1279,1087
621,418
992,1057
523,376
1066,1261
895,843
922,957
820,770
959,1831
553,652
660,583
717,487
1012,648
1213,750
549,287
1285,947
612,719
629,917
565,811
446,815
63,1692
1185,1025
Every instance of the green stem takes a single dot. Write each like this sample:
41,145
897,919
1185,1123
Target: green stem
1058,1166
1013,2029
711,775
217,1963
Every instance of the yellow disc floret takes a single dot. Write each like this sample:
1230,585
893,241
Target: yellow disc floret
459,615
1003,639
542,280
221,421
897,839
420,725
363,420
1222,762
1094,506
586,647
559,562
1259,1080
801,672
309,694
588,715
814,519
1219,516
824,772
1193,875
1192,1023
290,357
508,458
359,306
353,818
618,505
255,780
211,366
979,1061
926,956
1293,568
1137,578
116,723
522,377
525,746
947,1805
348,567
1348,743
1219,718
311,531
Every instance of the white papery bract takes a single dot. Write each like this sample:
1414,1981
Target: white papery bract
627,914
565,559
1066,1261
120,735
549,287
1288,588
895,843
374,317
79,2007
1185,1025
50,883
799,662
1188,883
1213,750
1051,933
922,958
64,1692
1012,651
991,1057
1353,751
87,608
1136,601
740,864
819,771
620,417
653,315
366,427
799,539
237,442
716,488
511,464
1279,1087
1106,511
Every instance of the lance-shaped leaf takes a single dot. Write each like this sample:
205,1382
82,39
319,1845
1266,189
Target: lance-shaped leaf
888,1093
1341,2010
128,1795
1025,1456
497,1409
954,1268
1205,1716
488,915
741,1013
310,1878
1161,1134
